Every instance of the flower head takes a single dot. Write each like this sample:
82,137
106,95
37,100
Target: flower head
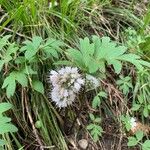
92,82
133,123
66,84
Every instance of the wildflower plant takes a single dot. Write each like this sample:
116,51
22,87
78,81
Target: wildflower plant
125,84
94,55
21,59
137,139
5,123
66,84
94,127
129,122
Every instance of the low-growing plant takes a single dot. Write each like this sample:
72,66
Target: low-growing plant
20,61
141,106
137,139
5,123
98,99
124,84
141,94
95,128
93,56
139,43
24,81
126,120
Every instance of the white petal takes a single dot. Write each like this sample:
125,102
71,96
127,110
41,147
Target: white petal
72,81
66,93
62,71
77,86
53,72
75,76
68,69
80,81
55,96
74,70
133,122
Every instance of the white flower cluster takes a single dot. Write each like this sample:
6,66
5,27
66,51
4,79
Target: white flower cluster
91,82
66,83
133,123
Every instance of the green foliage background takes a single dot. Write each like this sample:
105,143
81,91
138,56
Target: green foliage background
105,38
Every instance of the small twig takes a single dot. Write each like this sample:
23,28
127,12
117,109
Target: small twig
22,103
111,87
19,34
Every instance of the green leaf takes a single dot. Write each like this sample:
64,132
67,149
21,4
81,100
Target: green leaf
90,126
116,64
38,86
96,132
52,48
10,84
139,135
21,78
96,102
11,88
102,94
92,65
31,47
7,59
76,57
4,120
4,40
145,112
53,43
132,141
102,66
20,60
97,120
51,52
85,47
36,41
128,126
5,124
30,52
92,57
136,107
99,128
92,117
97,44
7,128
4,107
12,49
2,142
148,107
146,145
29,71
